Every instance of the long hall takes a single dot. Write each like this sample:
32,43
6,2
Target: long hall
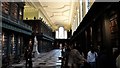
59,34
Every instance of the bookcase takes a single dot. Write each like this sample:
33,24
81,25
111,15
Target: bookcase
14,11
114,30
5,7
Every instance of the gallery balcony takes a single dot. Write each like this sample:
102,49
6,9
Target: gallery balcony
14,24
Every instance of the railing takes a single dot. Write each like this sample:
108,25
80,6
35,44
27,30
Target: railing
48,36
15,21
24,25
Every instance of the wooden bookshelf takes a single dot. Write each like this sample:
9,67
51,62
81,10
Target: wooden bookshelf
5,7
114,30
14,12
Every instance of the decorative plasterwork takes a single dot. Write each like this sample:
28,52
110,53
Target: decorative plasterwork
58,13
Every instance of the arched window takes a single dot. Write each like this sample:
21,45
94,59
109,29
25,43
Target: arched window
61,33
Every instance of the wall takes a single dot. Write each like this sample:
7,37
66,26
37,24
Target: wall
31,13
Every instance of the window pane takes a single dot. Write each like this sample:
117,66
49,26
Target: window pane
57,36
61,33
65,34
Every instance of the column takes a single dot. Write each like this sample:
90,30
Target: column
80,10
0,40
91,2
84,8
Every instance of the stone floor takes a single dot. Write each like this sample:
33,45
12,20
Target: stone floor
44,60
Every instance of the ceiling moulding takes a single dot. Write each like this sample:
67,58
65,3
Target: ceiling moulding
29,5
47,17
57,14
66,10
54,15
49,0
67,13
71,12
51,7
58,10
66,20
58,0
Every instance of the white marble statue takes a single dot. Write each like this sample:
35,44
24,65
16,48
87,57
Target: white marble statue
35,48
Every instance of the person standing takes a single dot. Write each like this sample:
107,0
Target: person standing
91,57
26,56
75,59
118,61
30,58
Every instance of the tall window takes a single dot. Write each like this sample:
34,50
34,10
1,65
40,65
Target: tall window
57,35
61,33
65,34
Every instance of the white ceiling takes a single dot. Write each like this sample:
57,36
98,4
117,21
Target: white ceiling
58,12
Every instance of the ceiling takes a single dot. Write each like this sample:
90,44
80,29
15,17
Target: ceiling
59,13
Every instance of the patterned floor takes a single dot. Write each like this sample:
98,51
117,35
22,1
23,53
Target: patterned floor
44,60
